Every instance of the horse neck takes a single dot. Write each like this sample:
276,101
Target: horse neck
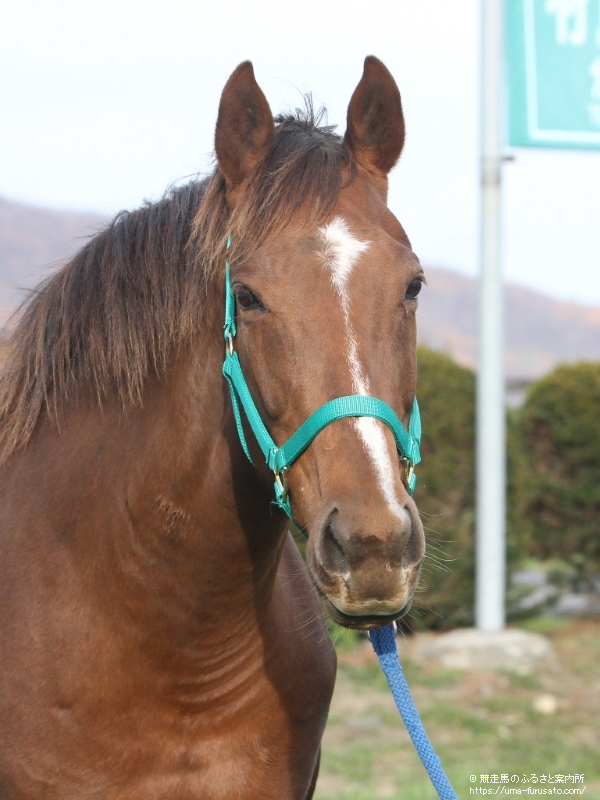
167,518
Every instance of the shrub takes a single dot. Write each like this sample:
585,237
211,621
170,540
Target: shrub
445,492
556,483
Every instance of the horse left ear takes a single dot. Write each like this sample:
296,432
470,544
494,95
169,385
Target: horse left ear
245,126
375,128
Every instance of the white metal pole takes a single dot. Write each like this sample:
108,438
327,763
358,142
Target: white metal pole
490,561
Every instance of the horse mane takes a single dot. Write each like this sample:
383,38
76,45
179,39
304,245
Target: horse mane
134,293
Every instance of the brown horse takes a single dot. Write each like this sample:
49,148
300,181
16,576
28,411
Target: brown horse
160,636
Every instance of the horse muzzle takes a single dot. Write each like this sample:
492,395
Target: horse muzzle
366,574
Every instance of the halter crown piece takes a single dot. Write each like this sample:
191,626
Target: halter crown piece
281,458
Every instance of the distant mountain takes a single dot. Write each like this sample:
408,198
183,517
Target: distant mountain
540,332
32,241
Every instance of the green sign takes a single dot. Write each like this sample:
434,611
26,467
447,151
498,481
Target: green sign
553,51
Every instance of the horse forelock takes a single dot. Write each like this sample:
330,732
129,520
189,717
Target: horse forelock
115,313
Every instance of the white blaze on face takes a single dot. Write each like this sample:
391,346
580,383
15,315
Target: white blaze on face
340,251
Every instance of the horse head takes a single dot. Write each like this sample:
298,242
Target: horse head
325,285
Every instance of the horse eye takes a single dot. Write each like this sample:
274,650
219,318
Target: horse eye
246,299
414,287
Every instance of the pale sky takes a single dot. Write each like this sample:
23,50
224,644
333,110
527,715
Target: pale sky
105,104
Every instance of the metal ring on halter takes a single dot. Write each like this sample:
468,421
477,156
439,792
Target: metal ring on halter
229,345
281,481
409,471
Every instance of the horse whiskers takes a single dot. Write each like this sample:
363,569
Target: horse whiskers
439,564
423,608
311,621
431,530
434,544
426,515
323,636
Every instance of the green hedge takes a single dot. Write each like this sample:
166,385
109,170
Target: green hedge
553,481
445,492
556,481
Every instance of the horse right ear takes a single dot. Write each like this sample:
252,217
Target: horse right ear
245,126
375,130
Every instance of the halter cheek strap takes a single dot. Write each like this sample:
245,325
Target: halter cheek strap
280,459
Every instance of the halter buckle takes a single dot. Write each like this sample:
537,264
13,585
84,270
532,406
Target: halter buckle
229,345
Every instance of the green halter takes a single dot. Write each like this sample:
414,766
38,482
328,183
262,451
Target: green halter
281,458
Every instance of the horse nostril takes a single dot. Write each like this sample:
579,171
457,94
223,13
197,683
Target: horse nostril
334,558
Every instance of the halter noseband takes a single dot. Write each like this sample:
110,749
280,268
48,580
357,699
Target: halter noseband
281,458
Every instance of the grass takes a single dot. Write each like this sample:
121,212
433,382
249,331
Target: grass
479,723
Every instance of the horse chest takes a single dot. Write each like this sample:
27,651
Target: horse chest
246,764
126,732
238,750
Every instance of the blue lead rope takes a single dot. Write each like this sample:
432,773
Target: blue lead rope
384,644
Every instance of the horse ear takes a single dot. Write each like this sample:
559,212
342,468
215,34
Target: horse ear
375,130
245,126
